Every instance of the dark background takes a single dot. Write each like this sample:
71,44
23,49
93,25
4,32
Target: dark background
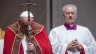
10,11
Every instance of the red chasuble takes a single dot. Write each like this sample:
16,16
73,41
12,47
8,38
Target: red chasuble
13,44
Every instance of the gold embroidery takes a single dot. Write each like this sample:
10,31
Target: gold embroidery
2,34
38,51
17,39
36,29
20,35
13,45
17,43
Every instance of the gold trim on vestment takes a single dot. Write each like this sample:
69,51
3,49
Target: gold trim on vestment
18,37
37,28
2,34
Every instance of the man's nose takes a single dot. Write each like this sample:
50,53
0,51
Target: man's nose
70,15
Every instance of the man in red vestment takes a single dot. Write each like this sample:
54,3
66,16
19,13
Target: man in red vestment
16,37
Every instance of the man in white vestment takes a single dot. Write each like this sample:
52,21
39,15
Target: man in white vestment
71,38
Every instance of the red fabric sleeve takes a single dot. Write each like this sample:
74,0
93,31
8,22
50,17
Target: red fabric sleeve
66,52
8,41
44,43
82,51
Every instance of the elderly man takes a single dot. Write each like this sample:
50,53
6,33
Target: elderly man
18,40
71,38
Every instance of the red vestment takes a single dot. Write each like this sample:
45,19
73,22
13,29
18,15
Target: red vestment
13,44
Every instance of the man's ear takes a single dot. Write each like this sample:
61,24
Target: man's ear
63,14
18,20
76,15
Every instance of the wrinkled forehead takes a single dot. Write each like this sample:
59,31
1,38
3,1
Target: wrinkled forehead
69,9
25,19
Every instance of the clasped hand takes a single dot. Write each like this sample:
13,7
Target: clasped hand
74,45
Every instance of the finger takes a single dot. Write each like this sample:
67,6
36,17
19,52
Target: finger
30,47
71,42
75,42
29,44
74,46
77,47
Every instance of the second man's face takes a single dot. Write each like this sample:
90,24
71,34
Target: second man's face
24,24
25,21
70,15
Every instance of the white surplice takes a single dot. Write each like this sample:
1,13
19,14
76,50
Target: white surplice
60,37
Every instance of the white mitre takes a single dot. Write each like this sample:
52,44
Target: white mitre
25,14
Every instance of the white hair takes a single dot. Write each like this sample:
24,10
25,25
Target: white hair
70,5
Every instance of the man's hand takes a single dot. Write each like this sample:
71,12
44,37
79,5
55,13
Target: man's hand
77,45
74,45
30,47
70,46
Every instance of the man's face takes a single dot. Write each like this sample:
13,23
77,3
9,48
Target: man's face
25,20
70,15
24,23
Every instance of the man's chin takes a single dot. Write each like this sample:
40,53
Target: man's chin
70,22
